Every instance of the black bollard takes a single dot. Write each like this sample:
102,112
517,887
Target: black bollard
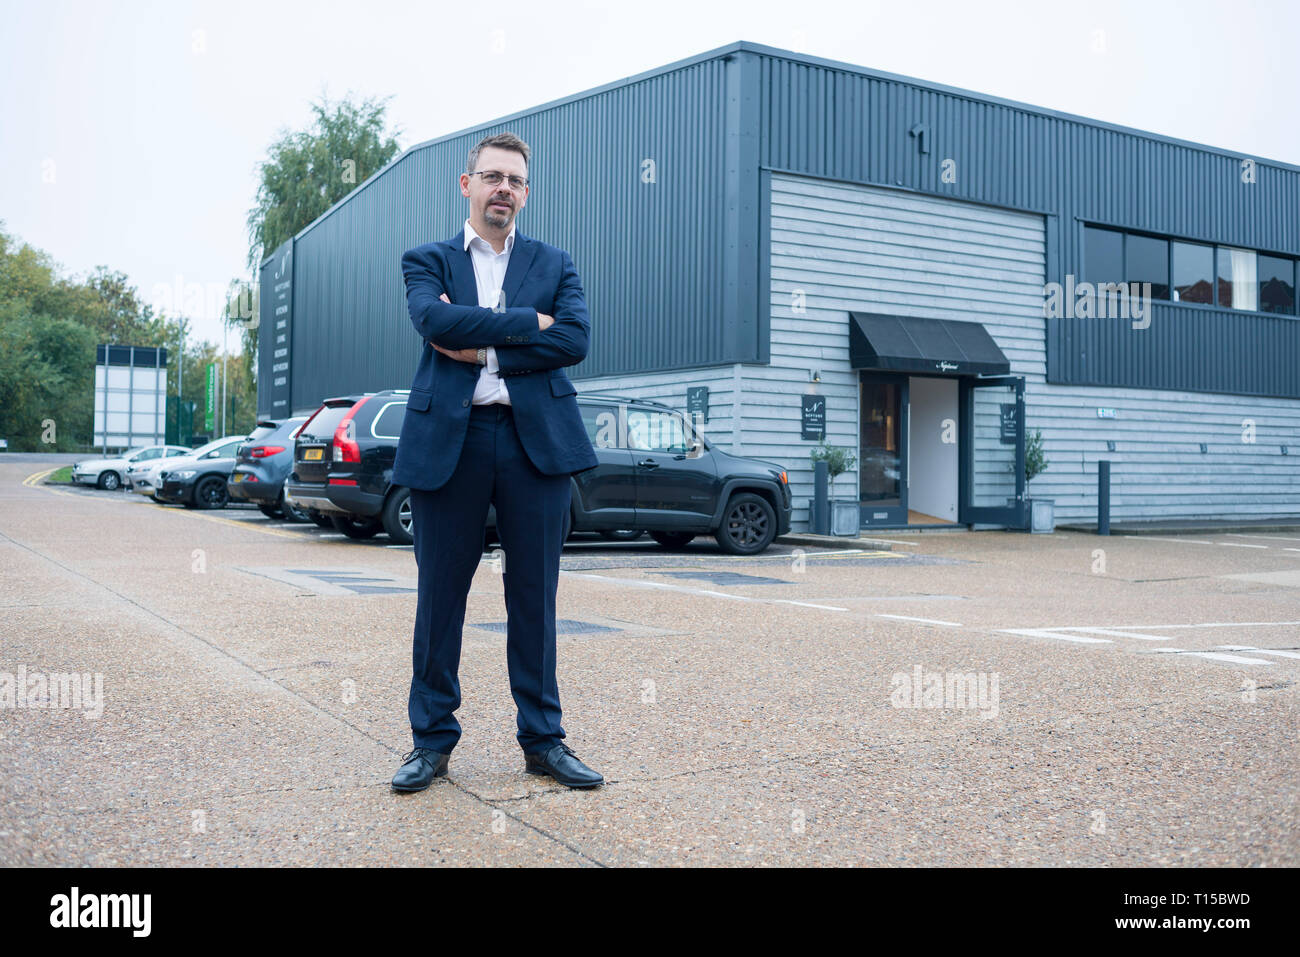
1103,496
821,516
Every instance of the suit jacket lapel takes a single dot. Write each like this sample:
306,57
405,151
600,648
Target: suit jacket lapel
521,260
464,287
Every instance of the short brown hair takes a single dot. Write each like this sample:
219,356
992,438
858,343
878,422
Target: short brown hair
504,141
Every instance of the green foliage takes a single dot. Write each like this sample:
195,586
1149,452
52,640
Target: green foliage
308,171
1035,461
838,460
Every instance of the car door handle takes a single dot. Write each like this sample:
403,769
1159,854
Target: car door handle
648,464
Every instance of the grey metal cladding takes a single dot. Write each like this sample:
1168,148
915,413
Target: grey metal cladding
846,123
629,181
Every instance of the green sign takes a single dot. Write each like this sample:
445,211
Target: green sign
210,404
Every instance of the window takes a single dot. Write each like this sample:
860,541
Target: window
1193,273
656,431
1237,283
1103,255
148,454
1276,285
388,423
1147,260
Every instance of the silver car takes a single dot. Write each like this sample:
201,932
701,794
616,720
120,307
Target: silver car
110,473
143,476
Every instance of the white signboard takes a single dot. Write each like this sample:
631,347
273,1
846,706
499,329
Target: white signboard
130,396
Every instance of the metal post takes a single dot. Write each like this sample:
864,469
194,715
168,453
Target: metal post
1103,497
821,520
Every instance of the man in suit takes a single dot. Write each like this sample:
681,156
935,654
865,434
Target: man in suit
492,418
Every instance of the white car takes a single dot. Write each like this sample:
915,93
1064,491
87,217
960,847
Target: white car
110,473
142,477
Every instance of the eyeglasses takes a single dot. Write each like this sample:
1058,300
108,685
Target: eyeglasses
493,178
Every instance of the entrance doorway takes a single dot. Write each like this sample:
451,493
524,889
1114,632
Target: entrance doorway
938,450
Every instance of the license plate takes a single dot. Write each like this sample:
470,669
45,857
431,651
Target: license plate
312,455
237,477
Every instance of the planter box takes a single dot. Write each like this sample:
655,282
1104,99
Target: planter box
846,517
1042,516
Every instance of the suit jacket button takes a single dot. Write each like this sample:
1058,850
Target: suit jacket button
464,402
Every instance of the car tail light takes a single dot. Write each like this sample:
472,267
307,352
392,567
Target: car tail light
345,437
263,451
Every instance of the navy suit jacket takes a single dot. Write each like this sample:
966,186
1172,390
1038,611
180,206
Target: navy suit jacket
540,278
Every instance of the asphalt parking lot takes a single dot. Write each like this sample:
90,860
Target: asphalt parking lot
955,699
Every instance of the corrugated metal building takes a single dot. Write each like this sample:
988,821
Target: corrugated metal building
783,229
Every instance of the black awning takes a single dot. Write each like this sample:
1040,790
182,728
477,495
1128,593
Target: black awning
934,346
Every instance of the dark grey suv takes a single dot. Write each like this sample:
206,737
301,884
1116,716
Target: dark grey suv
656,474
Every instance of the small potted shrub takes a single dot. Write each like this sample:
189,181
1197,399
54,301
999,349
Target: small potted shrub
845,513
1042,511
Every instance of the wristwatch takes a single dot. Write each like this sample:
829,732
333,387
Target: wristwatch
481,357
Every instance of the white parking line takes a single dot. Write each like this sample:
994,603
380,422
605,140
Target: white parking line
1214,656
1239,545
1050,633
1261,651
1267,538
927,621
1120,634
1180,541
686,589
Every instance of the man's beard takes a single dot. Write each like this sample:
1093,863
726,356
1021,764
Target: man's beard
499,220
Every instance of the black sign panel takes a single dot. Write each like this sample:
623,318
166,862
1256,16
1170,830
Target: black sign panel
697,403
275,335
1007,435
813,417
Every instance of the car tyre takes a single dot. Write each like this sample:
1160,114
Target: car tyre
270,511
320,518
292,513
397,517
673,539
109,481
357,528
211,493
748,525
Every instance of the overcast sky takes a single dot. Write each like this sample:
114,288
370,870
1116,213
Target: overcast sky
130,132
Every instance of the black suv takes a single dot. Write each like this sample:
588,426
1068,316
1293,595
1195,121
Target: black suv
654,474
343,461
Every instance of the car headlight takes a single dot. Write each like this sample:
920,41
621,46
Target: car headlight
184,474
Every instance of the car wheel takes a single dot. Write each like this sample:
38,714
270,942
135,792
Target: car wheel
672,539
320,518
748,525
109,480
211,493
292,513
270,511
397,517
358,528
621,534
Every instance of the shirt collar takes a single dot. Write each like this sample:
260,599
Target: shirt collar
471,235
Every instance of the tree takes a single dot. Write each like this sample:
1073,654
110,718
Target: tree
838,461
308,171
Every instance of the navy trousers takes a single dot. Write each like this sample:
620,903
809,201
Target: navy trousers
448,529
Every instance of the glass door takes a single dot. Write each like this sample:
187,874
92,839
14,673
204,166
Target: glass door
992,474
882,444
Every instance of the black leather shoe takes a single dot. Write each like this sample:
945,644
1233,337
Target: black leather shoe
421,767
562,764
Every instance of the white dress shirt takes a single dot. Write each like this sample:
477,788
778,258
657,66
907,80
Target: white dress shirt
490,273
